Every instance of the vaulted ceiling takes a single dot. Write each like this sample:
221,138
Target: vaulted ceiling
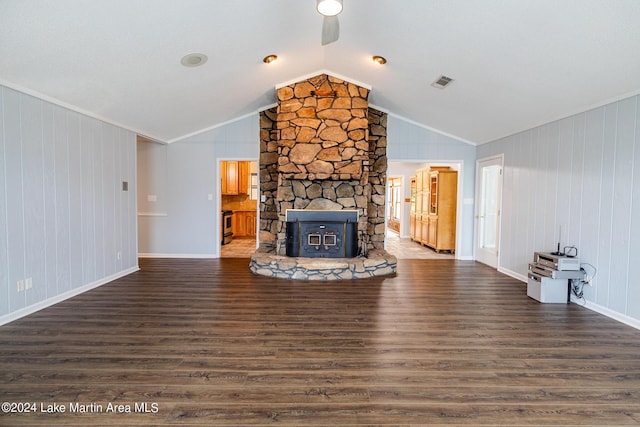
515,63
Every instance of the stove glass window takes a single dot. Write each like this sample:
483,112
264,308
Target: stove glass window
314,239
329,239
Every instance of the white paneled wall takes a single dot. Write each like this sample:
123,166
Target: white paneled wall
65,222
4,231
582,175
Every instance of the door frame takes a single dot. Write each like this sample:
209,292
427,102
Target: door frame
457,165
495,159
218,198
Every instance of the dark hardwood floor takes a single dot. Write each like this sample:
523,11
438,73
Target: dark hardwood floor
204,342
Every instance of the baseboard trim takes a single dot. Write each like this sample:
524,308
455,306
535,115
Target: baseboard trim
63,296
158,255
513,274
630,321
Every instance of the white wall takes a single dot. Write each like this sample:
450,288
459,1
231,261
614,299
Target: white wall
408,142
581,173
182,175
63,215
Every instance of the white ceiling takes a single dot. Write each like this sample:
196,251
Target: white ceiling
516,63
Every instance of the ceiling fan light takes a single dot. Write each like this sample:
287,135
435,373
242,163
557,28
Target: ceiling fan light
329,7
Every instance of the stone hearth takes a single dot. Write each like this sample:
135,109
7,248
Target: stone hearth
376,263
322,148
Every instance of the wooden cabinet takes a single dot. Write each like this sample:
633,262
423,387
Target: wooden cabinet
235,177
443,191
244,223
417,231
424,229
237,225
229,176
250,221
412,225
432,231
435,208
244,177
420,209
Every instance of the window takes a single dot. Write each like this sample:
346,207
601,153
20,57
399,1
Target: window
394,203
395,198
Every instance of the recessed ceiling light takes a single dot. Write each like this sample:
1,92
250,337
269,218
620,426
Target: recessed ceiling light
269,58
379,59
194,59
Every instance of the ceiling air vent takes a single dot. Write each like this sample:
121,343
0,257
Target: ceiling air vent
442,82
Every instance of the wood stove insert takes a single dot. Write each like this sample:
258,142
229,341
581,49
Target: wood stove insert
322,234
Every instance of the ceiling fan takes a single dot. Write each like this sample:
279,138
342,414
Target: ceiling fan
330,9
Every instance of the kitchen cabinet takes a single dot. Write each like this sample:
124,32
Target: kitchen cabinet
250,221
244,223
235,177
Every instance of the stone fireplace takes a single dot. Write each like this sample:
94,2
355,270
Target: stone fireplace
323,149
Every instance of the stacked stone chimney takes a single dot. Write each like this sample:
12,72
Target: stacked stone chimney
322,148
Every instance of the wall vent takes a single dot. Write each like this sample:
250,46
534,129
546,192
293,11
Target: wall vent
442,82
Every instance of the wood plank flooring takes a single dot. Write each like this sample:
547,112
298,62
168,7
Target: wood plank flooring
204,342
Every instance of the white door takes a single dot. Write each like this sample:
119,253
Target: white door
488,205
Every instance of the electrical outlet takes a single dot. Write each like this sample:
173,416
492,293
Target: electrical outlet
20,285
588,281
119,255
28,284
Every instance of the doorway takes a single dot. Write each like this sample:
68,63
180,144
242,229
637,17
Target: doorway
401,204
394,203
239,208
488,207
